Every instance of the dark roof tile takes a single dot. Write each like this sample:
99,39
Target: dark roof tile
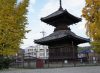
60,34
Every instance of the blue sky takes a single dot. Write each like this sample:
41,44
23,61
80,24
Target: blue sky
42,8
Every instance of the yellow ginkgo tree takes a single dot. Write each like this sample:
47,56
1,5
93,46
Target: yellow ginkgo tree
13,22
91,12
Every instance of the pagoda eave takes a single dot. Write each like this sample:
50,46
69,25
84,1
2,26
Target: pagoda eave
59,41
64,37
62,15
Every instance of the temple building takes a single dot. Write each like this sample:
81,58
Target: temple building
62,43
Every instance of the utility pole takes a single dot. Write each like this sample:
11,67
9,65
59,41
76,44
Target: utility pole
43,33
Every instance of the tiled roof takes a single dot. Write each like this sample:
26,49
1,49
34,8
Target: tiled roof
60,34
61,14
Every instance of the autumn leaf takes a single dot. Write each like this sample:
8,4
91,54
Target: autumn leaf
91,12
13,22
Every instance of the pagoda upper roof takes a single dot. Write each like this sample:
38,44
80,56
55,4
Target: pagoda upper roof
61,14
61,35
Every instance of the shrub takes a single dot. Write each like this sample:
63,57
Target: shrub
4,63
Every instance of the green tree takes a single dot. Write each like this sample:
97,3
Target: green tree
91,12
13,22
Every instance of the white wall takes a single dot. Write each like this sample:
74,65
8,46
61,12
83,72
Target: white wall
38,51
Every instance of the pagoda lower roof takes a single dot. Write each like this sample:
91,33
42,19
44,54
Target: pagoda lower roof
61,36
62,15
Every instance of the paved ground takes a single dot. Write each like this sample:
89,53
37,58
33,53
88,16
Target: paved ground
93,69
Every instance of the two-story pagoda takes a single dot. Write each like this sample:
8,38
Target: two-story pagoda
62,42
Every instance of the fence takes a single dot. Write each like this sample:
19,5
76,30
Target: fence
53,63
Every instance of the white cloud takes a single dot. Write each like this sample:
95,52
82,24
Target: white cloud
82,45
79,28
49,8
31,5
73,6
29,41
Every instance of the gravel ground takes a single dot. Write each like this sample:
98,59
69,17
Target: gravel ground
92,69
